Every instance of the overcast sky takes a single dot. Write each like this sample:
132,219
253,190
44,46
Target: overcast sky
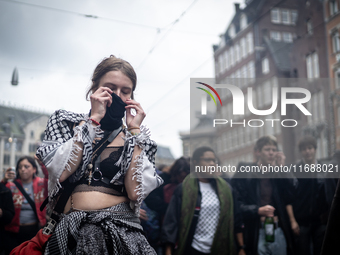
56,48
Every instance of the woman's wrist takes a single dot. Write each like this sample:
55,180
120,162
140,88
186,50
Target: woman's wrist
134,130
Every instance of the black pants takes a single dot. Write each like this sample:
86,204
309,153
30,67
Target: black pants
310,239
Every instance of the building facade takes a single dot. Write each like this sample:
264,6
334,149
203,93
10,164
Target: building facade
267,42
21,132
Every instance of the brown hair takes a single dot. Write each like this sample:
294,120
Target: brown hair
306,141
112,64
265,140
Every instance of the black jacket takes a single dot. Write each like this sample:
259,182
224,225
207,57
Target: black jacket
173,215
248,192
7,207
309,199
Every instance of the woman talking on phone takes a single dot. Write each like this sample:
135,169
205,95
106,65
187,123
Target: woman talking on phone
109,168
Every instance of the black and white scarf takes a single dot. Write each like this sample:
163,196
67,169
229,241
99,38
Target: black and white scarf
58,150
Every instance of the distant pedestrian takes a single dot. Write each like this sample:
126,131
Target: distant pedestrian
28,191
200,216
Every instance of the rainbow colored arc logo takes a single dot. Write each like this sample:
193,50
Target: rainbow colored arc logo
209,93
204,98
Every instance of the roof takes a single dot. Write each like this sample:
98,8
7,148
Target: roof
280,52
12,120
164,152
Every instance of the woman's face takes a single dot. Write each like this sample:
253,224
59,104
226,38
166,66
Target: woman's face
119,83
26,171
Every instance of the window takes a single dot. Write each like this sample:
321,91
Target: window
243,21
337,79
221,63
250,43
226,59
276,36
275,15
267,93
287,37
336,42
231,55
237,53
6,159
217,68
285,17
316,65
32,134
32,147
251,71
7,146
312,62
265,66
243,48
18,146
309,27
333,7
232,31
294,16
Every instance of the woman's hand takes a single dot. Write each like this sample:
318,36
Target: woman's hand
134,121
100,99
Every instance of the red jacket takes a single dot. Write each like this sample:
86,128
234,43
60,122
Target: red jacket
39,190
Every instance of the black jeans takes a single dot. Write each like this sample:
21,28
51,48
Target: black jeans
310,239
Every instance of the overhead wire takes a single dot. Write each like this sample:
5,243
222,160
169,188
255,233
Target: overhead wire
172,24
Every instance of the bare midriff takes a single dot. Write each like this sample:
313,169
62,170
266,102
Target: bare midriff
93,200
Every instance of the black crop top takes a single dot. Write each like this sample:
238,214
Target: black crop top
108,169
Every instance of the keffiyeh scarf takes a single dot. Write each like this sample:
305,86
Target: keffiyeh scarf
59,150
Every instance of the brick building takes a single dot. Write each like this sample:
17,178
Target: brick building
266,42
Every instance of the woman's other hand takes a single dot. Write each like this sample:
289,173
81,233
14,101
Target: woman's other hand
134,121
100,99
143,215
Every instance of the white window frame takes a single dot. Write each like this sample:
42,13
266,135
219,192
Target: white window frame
337,78
316,70
287,37
285,12
309,27
275,35
336,42
243,47
275,15
333,7
265,66
237,53
243,21
294,16
250,43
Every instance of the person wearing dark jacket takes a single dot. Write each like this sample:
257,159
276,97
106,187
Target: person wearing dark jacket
310,202
264,197
200,216
6,211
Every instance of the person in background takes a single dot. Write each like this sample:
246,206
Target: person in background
6,213
200,216
264,197
28,218
157,202
309,203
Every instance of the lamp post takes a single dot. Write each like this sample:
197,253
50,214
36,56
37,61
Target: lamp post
15,77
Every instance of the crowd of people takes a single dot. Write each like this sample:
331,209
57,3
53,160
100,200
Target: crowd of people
102,194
